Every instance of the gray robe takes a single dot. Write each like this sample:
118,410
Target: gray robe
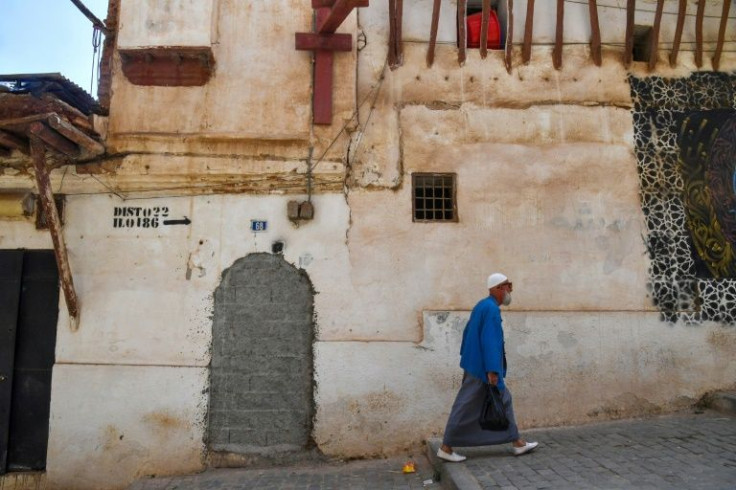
463,428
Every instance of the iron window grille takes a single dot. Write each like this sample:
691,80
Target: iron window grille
434,197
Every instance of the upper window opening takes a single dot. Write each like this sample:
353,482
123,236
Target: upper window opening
434,197
474,23
642,50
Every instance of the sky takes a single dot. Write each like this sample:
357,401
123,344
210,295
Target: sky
49,36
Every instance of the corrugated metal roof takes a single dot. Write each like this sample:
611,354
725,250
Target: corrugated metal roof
55,84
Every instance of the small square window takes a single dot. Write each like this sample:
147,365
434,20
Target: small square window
434,197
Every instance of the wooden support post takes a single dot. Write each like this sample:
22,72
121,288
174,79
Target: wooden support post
433,31
526,50
682,10
721,35
629,44
654,46
485,17
699,33
595,33
509,34
557,53
462,37
38,154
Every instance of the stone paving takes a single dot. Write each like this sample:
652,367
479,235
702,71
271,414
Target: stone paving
681,451
686,451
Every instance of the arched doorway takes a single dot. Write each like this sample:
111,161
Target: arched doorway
261,374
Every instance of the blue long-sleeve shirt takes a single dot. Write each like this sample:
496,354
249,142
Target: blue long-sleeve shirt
482,349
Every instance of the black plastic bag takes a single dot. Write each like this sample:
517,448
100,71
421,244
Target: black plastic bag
493,414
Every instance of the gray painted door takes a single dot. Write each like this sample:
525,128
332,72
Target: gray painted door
261,374
29,299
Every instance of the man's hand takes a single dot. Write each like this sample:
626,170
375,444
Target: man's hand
492,378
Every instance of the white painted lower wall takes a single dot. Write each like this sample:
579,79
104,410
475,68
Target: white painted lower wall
564,368
130,388
111,424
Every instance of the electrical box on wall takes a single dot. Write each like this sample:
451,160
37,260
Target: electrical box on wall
297,211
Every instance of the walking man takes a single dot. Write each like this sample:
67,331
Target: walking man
483,359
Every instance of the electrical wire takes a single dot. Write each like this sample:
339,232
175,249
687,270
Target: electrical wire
374,91
96,57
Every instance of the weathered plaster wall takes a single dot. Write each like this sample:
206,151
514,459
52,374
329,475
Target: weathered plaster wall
547,192
130,387
145,23
112,423
257,104
564,367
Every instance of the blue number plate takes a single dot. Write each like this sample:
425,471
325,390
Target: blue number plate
258,225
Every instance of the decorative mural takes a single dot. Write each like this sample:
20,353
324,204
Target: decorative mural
685,143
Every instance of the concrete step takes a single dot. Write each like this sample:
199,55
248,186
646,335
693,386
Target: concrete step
453,476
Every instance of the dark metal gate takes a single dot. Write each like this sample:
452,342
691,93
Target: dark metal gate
29,307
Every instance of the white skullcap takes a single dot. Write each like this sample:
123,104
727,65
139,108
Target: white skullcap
495,279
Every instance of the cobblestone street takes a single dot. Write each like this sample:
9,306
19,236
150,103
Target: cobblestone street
682,451
689,451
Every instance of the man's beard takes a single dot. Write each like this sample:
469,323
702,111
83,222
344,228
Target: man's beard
506,298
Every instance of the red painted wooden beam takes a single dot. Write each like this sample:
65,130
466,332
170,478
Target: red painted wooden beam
309,41
338,13
329,15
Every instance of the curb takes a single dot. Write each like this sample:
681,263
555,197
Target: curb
453,476
724,401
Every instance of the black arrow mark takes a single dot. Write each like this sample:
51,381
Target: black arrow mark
184,221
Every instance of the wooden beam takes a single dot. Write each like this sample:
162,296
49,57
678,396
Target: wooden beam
485,17
323,68
73,134
699,33
395,15
629,44
557,53
462,37
681,12
310,41
509,34
38,153
391,33
15,142
337,15
595,33
654,46
53,139
526,50
399,39
716,61
433,31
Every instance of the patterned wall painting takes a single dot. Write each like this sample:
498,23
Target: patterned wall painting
685,143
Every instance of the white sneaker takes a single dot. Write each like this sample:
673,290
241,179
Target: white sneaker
451,457
529,446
